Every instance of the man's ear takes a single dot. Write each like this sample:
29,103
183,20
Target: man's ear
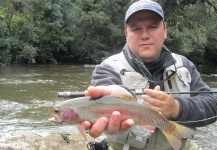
125,30
165,32
165,35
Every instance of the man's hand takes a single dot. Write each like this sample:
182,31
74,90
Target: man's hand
162,102
103,124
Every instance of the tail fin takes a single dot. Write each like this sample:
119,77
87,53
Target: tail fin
178,132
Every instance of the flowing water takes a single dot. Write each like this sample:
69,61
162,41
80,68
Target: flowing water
26,93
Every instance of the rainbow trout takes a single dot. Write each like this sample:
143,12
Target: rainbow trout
74,111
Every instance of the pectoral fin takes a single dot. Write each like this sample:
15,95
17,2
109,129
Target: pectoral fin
81,130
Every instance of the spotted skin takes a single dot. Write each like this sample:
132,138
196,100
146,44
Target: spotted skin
74,111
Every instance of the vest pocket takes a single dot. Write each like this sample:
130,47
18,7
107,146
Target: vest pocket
135,136
138,137
134,80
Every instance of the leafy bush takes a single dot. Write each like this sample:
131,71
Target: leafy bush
85,31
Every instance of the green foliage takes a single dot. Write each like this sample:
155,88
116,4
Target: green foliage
49,31
189,28
29,52
97,27
211,47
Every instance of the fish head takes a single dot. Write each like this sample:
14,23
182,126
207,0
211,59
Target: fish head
63,115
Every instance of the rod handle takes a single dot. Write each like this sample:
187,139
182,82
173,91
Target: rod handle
71,94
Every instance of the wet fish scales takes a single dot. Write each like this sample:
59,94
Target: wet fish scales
77,110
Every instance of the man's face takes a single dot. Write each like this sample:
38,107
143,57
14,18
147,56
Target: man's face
145,35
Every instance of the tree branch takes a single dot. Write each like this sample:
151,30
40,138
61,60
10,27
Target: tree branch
212,5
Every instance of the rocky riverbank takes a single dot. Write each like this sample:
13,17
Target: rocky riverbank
32,141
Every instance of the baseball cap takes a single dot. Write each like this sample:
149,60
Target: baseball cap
144,5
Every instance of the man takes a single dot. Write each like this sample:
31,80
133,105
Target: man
146,65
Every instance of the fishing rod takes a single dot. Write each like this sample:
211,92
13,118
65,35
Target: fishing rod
137,92
71,94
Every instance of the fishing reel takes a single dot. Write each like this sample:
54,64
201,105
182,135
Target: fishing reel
103,145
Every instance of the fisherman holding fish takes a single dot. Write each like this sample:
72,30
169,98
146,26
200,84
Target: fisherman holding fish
146,63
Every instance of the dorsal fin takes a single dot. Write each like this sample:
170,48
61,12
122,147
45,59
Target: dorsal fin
126,97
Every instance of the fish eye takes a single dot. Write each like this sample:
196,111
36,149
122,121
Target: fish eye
56,110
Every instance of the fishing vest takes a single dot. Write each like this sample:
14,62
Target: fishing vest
137,137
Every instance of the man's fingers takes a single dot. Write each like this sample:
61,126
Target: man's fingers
98,127
86,124
112,126
157,88
125,125
99,91
114,123
155,94
152,101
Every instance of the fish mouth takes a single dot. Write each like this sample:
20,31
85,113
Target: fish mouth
55,119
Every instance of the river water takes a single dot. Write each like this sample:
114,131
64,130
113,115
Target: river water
26,93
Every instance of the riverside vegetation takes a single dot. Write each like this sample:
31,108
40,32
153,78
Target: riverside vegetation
53,31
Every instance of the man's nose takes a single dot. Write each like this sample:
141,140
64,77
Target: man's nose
145,34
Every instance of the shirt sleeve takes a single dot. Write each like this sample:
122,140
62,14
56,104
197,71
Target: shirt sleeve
199,109
105,74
